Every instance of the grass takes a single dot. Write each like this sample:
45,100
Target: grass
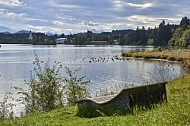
159,53
175,112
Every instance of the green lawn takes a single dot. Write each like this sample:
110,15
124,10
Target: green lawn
176,112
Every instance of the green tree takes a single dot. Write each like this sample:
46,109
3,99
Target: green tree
184,23
137,33
143,36
122,40
62,35
163,34
186,38
80,39
175,40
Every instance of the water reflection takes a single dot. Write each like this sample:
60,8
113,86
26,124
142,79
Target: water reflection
114,76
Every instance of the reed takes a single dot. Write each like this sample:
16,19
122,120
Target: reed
182,56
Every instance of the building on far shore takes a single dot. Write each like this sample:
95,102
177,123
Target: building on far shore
61,40
99,42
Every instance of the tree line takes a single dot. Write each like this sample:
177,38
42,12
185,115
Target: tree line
162,35
23,38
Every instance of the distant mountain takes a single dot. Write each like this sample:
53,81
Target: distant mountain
6,30
50,33
23,31
97,31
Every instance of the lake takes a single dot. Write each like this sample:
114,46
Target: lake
101,65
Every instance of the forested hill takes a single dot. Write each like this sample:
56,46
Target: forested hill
162,35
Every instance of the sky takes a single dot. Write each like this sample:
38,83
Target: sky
74,16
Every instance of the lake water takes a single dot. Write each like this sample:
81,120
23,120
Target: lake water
100,64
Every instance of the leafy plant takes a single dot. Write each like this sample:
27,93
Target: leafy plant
74,87
44,88
6,108
47,89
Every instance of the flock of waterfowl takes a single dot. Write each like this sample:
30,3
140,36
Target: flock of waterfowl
105,59
102,59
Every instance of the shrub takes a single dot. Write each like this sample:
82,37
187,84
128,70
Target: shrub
45,90
171,58
6,111
127,54
159,49
74,87
48,90
162,57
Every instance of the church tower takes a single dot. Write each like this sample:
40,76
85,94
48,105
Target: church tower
30,36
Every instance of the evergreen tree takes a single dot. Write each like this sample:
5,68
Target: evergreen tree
163,34
62,35
184,23
143,36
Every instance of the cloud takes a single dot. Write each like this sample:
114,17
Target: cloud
121,5
11,2
71,16
12,15
141,6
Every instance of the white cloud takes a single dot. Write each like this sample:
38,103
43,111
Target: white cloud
6,14
149,21
118,5
141,6
59,23
121,5
10,2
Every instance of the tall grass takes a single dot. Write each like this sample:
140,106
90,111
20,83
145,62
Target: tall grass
172,55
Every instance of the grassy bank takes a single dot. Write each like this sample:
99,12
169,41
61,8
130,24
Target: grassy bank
182,56
175,112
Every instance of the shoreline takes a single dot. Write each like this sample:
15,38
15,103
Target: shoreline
173,56
152,59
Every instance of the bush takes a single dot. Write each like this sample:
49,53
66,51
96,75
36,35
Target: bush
171,58
74,87
159,49
6,108
45,90
48,90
